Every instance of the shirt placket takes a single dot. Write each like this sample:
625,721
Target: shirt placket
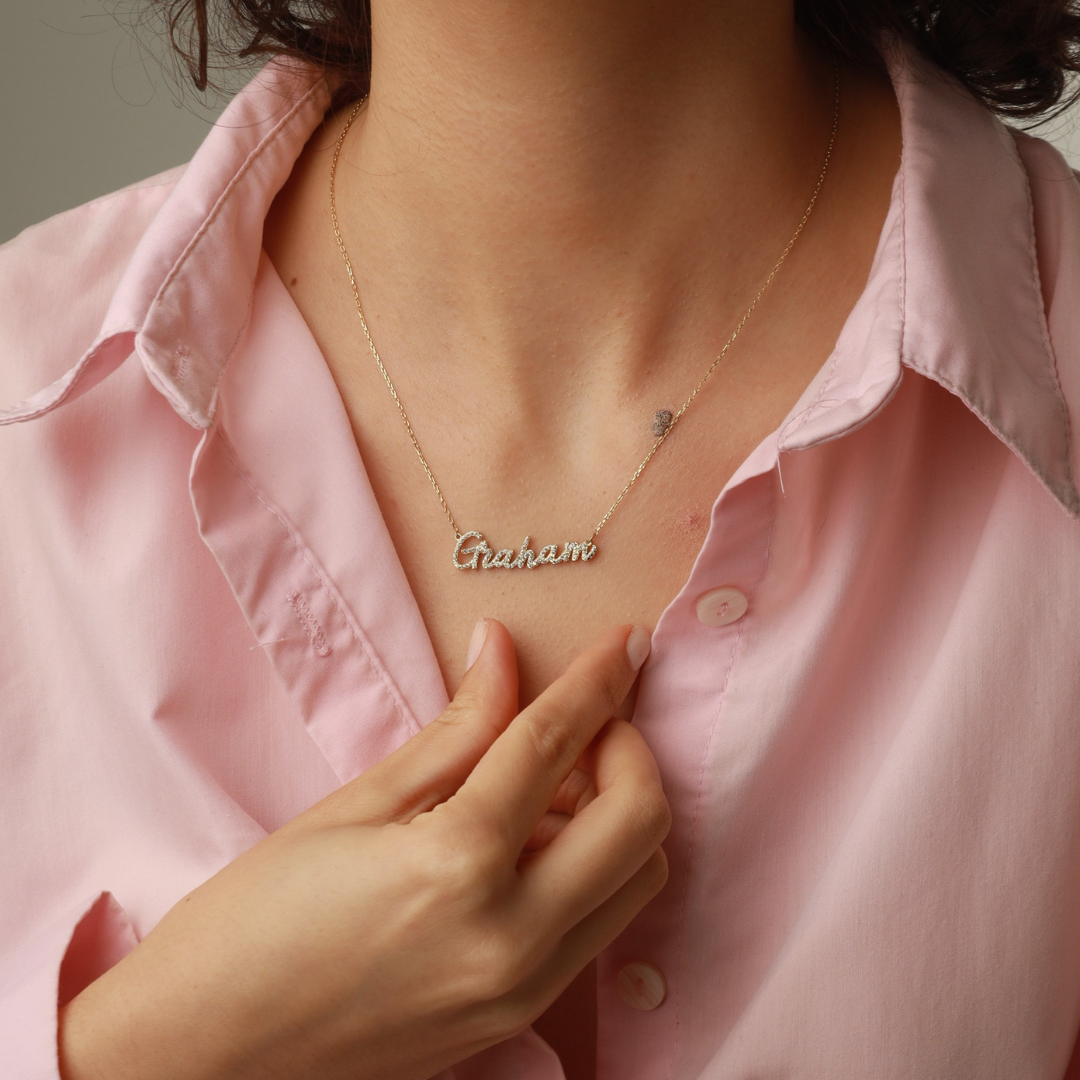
284,503
642,988
702,720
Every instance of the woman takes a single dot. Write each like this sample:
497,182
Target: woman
447,281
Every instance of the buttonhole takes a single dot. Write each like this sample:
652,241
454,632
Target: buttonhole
182,357
310,624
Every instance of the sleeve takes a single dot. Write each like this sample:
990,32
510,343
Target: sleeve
48,969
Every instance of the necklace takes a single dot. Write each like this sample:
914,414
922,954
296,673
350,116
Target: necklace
477,554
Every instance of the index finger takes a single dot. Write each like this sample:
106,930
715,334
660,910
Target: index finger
513,784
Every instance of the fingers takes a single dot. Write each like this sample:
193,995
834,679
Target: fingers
574,794
516,780
434,763
591,936
606,842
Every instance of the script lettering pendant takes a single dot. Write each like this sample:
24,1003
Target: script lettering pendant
479,556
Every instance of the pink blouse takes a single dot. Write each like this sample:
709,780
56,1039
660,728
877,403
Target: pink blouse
874,770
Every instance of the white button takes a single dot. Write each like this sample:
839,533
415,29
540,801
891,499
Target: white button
718,607
642,986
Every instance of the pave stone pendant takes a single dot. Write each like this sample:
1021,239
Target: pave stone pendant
479,556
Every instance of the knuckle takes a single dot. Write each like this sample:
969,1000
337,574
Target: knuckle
488,861
497,974
460,711
591,693
470,711
603,687
651,815
466,721
467,864
498,965
552,738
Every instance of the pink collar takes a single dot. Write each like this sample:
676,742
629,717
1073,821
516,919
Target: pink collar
954,292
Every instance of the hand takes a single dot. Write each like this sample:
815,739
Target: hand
402,924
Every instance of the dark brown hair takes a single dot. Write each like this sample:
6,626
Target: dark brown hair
1017,56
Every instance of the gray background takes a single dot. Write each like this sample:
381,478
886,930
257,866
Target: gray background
86,107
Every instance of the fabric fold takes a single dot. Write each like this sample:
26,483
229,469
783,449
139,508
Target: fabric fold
49,969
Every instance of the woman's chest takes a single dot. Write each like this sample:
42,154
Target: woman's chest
525,548
553,610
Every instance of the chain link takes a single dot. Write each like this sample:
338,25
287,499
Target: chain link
693,394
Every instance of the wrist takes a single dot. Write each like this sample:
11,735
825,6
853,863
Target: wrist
79,1054
99,1036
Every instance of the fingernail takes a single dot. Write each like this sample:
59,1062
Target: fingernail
476,642
637,646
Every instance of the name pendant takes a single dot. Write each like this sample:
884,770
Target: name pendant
479,556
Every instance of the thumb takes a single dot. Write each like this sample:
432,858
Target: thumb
434,763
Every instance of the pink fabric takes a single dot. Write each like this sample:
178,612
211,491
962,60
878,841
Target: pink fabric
875,773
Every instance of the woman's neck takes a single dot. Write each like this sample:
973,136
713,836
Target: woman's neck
556,219
555,185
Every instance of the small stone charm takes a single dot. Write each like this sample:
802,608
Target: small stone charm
479,556
661,421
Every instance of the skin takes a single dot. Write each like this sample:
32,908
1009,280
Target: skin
557,214
428,909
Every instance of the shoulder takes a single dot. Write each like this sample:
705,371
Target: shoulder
57,279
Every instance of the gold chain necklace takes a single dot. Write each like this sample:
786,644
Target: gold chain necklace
478,555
